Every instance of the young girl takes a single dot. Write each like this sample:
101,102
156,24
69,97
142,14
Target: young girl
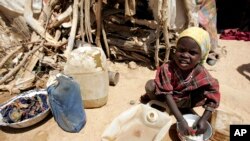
184,83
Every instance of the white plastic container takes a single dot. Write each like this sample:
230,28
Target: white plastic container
88,66
139,123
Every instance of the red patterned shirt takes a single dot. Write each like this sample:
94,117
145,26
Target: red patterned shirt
169,80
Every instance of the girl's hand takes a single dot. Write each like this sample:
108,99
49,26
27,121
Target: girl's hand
184,128
201,126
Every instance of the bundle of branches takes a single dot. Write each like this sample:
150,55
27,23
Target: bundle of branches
37,44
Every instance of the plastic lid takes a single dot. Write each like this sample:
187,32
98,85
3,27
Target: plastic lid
152,116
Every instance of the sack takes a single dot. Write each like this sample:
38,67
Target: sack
66,104
139,123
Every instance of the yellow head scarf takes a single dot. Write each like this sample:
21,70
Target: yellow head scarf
201,36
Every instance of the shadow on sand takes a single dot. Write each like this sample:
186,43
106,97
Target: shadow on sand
244,70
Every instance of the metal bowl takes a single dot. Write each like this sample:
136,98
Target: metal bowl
30,121
191,119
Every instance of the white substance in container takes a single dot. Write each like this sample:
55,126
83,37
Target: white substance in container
191,122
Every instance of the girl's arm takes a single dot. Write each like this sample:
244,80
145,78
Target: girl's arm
201,124
184,128
173,107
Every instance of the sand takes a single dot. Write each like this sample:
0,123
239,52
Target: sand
232,71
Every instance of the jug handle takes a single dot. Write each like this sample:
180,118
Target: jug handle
158,103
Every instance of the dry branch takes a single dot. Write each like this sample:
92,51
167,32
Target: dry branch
34,24
58,35
71,38
15,86
149,23
130,8
10,88
165,28
157,16
60,44
99,23
3,61
104,35
49,61
116,19
156,57
21,64
29,66
81,22
125,43
65,16
87,20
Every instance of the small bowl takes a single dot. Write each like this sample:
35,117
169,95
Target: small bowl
191,119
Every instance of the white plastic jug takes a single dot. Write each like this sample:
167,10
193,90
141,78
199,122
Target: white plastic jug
88,66
139,123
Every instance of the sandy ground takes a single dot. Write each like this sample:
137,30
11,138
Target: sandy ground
232,71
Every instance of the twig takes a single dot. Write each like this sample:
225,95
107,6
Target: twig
16,50
87,21
71,38
159,16
99,23
58,35
191,10
21,64
130,8
81,22
116,19
60,44
156,57
47,15
149,23
62,18
125,43
11,88
105,42
9,55
165,28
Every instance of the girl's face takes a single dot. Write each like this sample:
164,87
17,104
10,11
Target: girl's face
188,53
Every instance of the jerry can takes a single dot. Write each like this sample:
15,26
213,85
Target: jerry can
139,123
88,66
